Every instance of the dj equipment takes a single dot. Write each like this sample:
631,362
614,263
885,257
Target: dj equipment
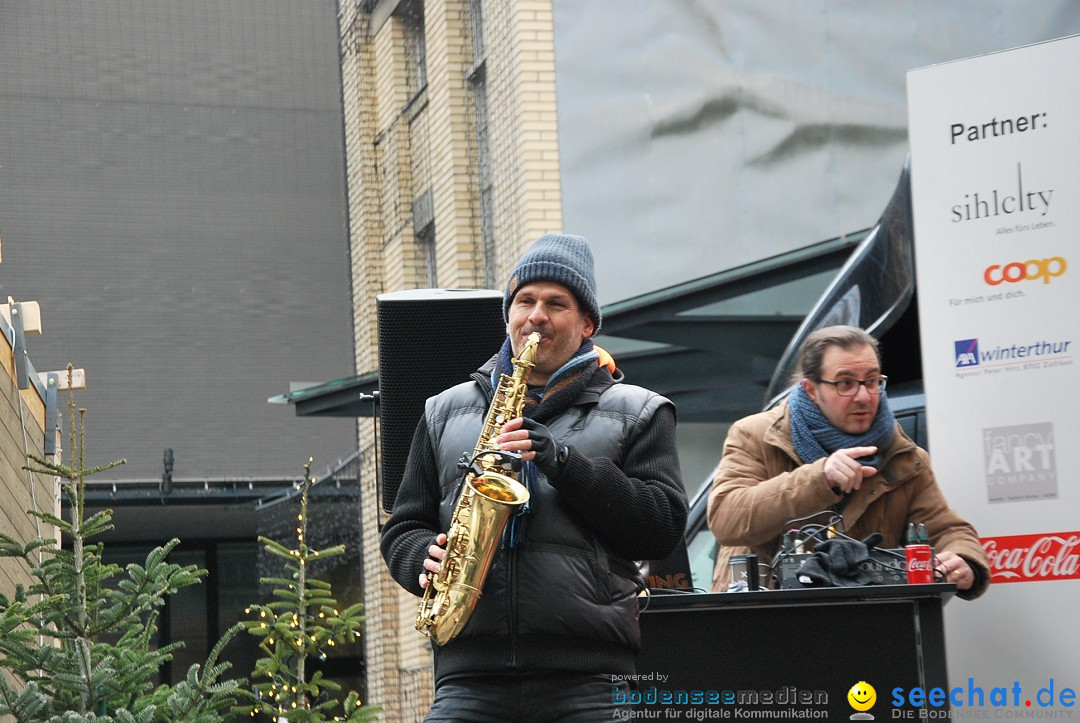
885,567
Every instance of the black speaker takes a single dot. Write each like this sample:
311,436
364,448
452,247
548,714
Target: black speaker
429,340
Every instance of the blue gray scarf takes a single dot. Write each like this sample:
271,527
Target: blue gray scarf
542,404
815,437
562,388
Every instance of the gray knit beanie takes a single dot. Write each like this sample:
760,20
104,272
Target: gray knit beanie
563,259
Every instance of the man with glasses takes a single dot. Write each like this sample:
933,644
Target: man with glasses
834,446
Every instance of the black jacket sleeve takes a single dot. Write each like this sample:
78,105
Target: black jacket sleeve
414,521
638,508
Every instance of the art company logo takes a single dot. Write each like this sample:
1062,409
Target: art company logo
1020,462
967,353
1030,270
1033,558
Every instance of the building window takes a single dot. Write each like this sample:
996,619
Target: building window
476,24
412,16
484,175
425,245
423,220
477,78
484,178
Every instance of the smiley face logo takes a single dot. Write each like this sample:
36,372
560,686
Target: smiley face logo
862,696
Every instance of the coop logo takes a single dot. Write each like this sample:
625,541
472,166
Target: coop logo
1030,270
1020,462
967,353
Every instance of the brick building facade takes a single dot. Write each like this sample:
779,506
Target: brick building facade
453,168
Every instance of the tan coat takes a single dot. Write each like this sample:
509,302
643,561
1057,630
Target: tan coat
761,485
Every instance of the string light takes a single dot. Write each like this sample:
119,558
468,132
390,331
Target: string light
338,528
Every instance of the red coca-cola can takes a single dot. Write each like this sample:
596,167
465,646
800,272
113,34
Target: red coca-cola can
920,564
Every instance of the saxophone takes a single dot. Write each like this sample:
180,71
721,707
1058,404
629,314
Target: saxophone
481,513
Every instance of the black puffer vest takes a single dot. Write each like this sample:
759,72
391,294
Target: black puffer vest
560,600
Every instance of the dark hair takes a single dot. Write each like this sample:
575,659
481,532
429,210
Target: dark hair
814,348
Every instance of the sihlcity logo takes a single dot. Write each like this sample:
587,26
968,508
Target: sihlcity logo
1009,357
1008,200
1020,462
1030,270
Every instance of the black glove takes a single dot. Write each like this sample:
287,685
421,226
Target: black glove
551,455
836,562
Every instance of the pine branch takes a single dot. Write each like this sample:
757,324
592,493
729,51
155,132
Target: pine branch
56,652
300,622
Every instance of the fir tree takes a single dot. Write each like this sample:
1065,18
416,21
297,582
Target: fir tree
78,645
301,623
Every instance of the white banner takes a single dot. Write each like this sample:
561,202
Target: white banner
995,144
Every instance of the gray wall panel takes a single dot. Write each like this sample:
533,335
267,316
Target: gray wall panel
172,192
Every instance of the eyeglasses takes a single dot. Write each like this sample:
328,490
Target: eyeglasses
850,387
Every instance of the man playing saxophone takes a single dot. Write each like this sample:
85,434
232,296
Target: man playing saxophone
555,631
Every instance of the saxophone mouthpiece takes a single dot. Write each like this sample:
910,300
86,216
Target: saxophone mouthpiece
528,354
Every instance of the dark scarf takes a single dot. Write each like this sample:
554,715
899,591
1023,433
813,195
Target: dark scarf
562,388
543,404
815,437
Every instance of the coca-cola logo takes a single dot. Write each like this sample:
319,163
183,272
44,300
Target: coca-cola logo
915,565
1032,558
